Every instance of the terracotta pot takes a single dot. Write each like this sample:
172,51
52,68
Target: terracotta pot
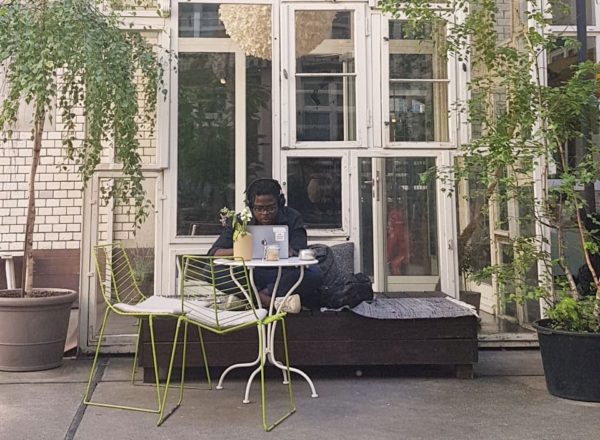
33,330
242,247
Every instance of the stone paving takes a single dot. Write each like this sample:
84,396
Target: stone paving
507,399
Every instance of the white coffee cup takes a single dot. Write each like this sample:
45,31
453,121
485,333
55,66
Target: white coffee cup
306,254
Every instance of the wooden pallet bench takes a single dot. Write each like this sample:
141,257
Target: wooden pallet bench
334,339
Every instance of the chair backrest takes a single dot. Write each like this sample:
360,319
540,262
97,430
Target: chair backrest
115,275
216,294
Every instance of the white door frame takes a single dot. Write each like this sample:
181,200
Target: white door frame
446,218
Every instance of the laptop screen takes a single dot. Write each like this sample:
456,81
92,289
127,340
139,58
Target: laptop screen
264,235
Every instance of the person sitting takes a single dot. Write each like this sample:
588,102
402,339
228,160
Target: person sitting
266,200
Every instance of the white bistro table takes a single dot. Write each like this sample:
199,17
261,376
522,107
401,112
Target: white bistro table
269,341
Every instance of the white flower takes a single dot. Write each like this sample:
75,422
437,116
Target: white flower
246,215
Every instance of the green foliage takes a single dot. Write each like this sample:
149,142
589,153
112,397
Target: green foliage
526,129
577,315
239,222
72,54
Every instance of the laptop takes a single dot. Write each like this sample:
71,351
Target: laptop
263,235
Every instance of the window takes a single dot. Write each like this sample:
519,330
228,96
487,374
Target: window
206,141
224,117
564,12
315,189
325,76
418,85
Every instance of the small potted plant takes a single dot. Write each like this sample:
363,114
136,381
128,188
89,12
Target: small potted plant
242,239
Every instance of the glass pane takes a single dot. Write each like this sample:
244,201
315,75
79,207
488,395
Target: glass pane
315,189
206,141
474,242
401,30
411,219
325,105
418,108
326,108
365,206
133,5
324,42
564,12
259,124
562,60
197,20
409,66
412,115
502,222
506,256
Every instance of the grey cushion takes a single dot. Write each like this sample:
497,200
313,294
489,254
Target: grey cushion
344,256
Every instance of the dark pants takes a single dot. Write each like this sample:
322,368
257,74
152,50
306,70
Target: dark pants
308,288
265,279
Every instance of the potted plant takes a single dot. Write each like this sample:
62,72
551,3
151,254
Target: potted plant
242,239
68,55
524,157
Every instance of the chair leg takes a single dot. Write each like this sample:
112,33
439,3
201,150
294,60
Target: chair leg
137,350
292,410
287,366
206,368
155,363
86,396
161,417
183,362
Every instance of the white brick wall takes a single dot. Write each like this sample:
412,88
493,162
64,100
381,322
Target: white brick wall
51,190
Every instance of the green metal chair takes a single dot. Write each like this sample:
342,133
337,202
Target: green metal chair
217,296
123,297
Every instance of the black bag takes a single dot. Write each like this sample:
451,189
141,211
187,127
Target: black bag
353,289
340,288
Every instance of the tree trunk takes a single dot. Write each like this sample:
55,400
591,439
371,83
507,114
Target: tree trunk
27,271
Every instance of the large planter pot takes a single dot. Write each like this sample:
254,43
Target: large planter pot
571,362
33,330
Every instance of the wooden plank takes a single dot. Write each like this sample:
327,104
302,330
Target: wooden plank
348,325
426,352
343,339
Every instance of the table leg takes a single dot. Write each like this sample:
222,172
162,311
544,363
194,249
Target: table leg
271,357
268,351
233,367
269,342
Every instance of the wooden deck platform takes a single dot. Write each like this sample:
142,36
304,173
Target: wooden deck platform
335,338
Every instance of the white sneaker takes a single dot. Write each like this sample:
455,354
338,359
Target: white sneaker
232,302
291,305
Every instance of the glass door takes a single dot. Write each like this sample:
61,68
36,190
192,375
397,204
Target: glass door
403,222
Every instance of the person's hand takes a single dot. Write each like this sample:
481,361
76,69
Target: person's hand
224,252
293,253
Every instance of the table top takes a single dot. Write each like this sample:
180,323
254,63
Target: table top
259,262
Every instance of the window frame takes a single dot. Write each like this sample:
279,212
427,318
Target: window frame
288,75
344,231
453,95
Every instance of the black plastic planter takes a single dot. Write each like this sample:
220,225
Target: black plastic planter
571,362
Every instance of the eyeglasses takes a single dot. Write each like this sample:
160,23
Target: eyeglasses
269,209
